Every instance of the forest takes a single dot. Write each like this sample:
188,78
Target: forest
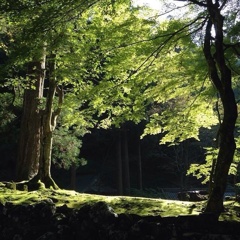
120,96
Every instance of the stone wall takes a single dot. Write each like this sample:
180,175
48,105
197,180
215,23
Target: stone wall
99,222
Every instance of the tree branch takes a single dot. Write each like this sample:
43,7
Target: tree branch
234,47
202,4
210,60
158,36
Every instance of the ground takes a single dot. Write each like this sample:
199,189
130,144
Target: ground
120,204
69,215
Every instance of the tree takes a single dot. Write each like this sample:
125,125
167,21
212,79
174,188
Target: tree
55,36
154,72
111,92
38,121
30,135
66,150
220,73
209,19
221,76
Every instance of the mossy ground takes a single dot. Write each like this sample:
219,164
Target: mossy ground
120,204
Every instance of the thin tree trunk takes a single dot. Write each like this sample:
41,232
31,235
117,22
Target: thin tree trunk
212,173
48,126
73,176
119,165
220,75
211,177
126,164
140,185
225,156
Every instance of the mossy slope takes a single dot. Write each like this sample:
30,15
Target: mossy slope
120,204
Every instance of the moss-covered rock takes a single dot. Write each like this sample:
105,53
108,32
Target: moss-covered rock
98,221
61,214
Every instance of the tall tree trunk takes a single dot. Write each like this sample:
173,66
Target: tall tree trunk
35,143
73,176
126,172
119,165
220,75
30,131
49,118
139,166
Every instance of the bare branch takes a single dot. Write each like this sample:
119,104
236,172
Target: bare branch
169,11
202,4
223,4
157,51
158,36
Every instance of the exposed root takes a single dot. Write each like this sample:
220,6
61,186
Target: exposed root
31,185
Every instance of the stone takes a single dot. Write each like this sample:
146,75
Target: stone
98,221
193,196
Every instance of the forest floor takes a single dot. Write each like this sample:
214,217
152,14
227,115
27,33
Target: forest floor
120,204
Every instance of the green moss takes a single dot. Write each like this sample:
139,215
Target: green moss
154,207
120,204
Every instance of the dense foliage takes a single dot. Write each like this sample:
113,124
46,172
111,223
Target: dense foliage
75,66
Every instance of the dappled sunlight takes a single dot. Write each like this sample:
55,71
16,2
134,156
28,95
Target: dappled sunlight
231,211
120,204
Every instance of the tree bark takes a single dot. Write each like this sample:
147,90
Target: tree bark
126,164
73,176
119,165
220,75
30,131
139,166
36,136
49,118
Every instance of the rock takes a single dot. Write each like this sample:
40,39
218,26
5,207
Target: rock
145,228
193,196
47,236
99,222
238,198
